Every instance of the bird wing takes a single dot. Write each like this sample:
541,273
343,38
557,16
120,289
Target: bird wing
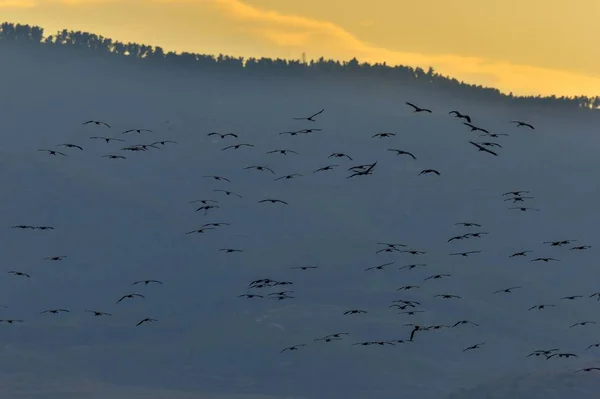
321,111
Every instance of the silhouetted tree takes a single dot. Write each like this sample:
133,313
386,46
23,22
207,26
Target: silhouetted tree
18,33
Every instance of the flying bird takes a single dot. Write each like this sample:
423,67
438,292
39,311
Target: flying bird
541,307
339,155
582,323
114,156
146,282
250,296
288,177
354,311
542,352
482,148
61,257
517,199
367,171
516,193
522,253
304,267
311,118
380,267
292,348
472,347
447,296
428,171
227,192
53,152
15,273
98,313
219,178
401,152
506,290
130,296
71,146
418,109
437,276
55,311
236,146
457,114
325,168
588,369
560,355
580,247
137,131
383,135
465,254
273,201
520,123
223,135
163,142
230,250
461,322
97,123
107,139
260,168
283,152
146,320
475,128
467,224
414,252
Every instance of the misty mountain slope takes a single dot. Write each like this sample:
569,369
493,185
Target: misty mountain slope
123,220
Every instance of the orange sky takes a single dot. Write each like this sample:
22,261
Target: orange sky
525,46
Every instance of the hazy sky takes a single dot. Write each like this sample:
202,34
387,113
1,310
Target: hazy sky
532,46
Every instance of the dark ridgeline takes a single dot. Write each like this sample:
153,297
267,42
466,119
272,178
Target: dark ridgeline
430,79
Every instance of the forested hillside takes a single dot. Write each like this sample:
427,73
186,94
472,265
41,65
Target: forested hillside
134,52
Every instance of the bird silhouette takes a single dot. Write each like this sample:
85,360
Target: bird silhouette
114,156
417,109
222,135
98,313
97,123
107,139
53,152
71,146
130,296
506,290
311,118
457,114
292,348
428,171
401,152
146,282
146,320
519,123
482,148
237,146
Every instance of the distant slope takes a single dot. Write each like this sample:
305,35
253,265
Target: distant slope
101,47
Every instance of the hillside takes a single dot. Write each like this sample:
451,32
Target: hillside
123,220
373,75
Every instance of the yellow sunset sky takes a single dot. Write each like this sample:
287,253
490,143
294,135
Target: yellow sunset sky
524,46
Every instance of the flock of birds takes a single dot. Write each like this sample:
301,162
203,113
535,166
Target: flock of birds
268,288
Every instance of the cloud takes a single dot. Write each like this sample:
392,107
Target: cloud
323,38
17,4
